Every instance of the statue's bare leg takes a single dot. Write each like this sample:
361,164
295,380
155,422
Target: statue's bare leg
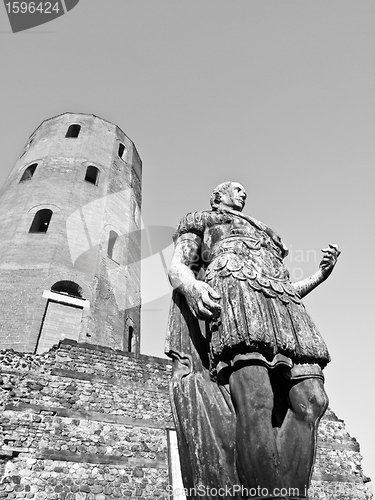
273,451
258,460
297,436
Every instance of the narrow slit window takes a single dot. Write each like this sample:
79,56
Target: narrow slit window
41,221
92,174
73,131
113,236
29,172
121,150
130,339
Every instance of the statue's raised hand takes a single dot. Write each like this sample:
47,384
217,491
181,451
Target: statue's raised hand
203,300
328,262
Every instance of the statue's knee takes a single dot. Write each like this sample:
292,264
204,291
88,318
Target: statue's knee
309,400
319,403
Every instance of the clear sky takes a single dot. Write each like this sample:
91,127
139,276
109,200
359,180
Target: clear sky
278,95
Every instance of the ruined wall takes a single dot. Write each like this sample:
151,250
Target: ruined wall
84,422
338,473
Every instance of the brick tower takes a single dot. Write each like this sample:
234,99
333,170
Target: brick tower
70,238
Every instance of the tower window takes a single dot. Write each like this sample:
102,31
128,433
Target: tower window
41,221
92,175
29,172
73,131
113,237
121,150
130,339
67,288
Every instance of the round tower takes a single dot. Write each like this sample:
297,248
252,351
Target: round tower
70,238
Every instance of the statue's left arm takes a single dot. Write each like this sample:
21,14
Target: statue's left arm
328,262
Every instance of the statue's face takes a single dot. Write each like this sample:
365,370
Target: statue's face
234,197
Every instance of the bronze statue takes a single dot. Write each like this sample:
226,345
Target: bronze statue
247,388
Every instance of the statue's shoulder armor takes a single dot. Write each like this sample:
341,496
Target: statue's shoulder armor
197,222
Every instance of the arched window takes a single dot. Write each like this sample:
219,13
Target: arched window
63,315
113,237
68,288
130,339
121,150
29,172
41,221
73,131
92,174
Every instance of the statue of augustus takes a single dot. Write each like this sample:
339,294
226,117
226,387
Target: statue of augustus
247,389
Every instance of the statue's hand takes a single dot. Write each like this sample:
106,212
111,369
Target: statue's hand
203,300
328,262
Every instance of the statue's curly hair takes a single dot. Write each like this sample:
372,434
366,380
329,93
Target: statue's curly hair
215,198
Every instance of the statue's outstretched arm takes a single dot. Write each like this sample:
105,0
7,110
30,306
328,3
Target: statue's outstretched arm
328,262
201,298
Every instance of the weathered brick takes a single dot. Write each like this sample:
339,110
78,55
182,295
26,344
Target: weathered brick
39,260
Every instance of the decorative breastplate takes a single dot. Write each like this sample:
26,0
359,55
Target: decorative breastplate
253,258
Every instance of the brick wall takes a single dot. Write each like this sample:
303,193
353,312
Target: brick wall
75,246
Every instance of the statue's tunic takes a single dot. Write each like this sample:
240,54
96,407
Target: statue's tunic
262,319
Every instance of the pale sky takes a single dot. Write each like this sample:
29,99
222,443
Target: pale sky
278,95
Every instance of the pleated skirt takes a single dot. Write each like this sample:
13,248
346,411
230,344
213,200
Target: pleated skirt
252,321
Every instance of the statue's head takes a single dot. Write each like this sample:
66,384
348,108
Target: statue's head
230,195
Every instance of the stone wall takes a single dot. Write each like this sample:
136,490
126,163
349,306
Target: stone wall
338,473
84,422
